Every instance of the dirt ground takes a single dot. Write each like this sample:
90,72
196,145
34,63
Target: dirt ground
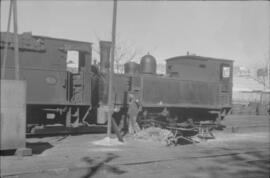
241,150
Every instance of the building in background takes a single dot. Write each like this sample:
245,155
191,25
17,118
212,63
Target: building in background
241,71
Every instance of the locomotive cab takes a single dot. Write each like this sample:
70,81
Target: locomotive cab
209,70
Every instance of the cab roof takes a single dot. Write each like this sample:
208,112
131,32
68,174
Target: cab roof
202,58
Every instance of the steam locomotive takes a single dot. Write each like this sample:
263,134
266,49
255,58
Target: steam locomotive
194,87
66,91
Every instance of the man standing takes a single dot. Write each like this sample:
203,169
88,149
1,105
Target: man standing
133,111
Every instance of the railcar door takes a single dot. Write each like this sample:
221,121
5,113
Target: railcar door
74,88
69,86
79,80
226,84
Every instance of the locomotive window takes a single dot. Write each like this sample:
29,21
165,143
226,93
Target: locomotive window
226,70
72,61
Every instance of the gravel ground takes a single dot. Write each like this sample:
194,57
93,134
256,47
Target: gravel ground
241,153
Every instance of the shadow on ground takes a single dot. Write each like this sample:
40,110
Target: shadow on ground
38,147
7,152
236,165
96,166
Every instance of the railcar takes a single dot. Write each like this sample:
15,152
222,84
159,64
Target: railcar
58,76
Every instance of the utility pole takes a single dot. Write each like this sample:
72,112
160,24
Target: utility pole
16,41
12,10
268,66
6,44
268,74
110,101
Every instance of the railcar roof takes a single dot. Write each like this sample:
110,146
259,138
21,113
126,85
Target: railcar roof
62,39
197,58
6,35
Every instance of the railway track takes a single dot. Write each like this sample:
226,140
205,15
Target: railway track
172,166
211,156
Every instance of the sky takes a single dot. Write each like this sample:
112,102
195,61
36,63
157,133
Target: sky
239,31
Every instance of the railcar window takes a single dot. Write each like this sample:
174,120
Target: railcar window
226,70
72,61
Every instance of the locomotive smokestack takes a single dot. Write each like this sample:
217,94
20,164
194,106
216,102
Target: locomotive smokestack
105,50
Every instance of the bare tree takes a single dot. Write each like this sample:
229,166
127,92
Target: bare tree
262,74
125,52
